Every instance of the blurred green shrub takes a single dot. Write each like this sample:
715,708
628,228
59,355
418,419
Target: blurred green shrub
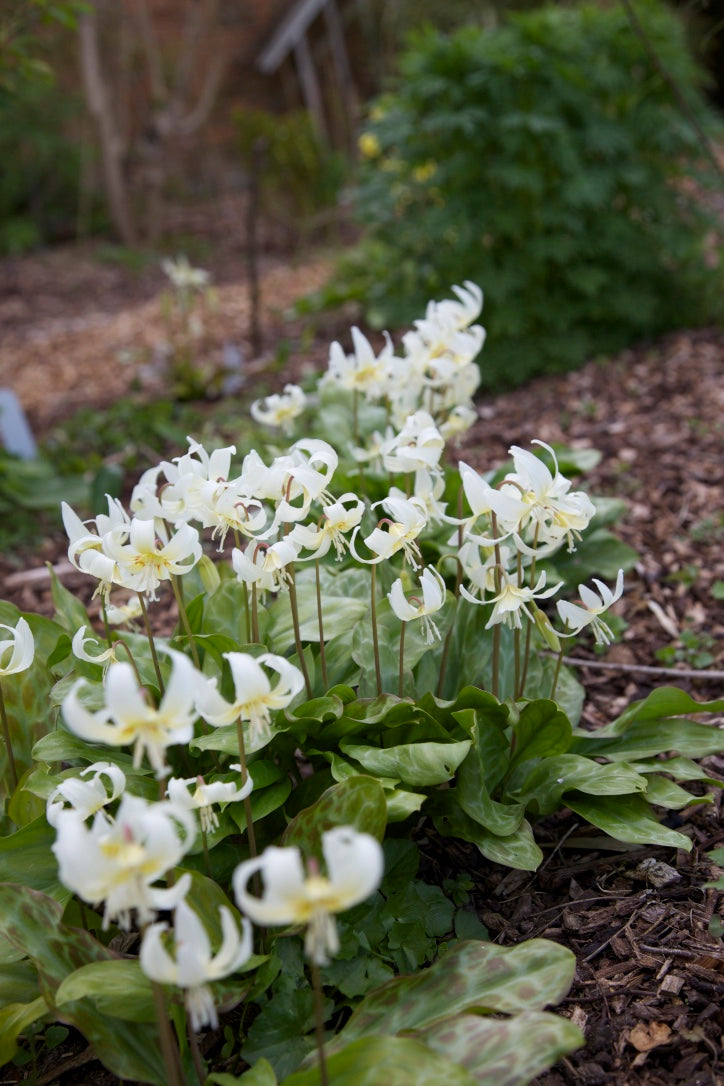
40,178
300,175
548,161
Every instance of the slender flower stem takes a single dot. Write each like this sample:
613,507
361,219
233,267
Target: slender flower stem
401,683
373,619
319,1023
556,676
195,1052
8,742
529,630
122,645
169,1050
183,615
152,645
247,614
297,635
254,614
244,778
495,683
320,623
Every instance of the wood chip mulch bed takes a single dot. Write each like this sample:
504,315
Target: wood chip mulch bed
650,973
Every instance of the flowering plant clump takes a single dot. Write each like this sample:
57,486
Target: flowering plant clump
365,636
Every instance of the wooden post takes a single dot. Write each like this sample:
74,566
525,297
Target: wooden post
310,83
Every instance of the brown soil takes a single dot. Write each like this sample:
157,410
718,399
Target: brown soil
650,974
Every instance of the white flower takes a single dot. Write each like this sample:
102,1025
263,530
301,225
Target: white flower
17,651
78,645
204,796
267,567
292,895
254,696
392,536
280,409
336,520
578,617
512,599
193,964
145,560
118,614
87,548
552,513
419,445
86,796
433,597
128,717
117,860
183,276
363,370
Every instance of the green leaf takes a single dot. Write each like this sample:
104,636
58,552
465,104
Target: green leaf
416,764
472,975
626,818
397,1061
549,780
664,702
664,793
357,802
69,611
28,852
488,756
345,601
31,921
18,982
542,731
14,1020
503,1052
517,849
118,988
261,1074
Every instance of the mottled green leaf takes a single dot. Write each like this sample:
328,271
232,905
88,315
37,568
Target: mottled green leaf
472,974
357,802
503,1051
626,818
644,738
31,921
18,982
261,1074
663,702
396,1061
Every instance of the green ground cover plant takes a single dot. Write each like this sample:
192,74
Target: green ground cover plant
365,638
550,159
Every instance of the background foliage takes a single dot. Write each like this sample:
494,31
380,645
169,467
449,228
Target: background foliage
547,159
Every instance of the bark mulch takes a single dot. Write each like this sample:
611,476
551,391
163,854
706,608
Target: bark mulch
650,973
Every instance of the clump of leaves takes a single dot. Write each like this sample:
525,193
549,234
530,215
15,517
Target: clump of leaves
547,158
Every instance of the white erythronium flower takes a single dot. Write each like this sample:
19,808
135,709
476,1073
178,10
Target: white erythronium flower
594,604
118,859
145,560
362,371
193,965
266,566
304,477
105,657
86,796
512,599
433,597
280,409
552,513
292,895
254,697
17,651
128,717
183,276
462,312
87,548
457,421
485,500
119,613
419,445
400,534
338,518
204,796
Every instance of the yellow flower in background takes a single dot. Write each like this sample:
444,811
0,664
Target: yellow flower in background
369,145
